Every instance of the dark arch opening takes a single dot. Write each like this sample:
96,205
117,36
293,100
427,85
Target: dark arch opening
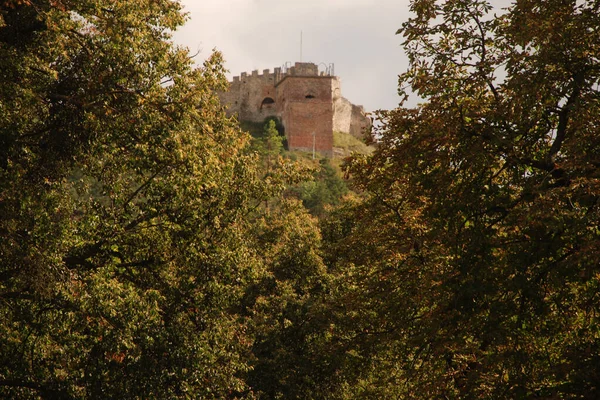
266,102
310,96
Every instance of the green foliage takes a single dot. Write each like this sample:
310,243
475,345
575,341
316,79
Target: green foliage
324,188
137,259
289,313
270,143
125,194
327,189
258,131
273,142
472,265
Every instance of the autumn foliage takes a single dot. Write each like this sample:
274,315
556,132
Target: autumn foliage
149,250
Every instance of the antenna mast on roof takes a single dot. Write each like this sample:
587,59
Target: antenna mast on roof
300,46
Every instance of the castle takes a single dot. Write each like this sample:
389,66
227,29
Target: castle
307,101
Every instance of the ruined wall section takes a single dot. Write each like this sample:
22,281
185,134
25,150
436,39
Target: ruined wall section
306,109
347,117
360,123
252,97
342,116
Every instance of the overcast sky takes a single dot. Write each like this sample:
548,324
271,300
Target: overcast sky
357,36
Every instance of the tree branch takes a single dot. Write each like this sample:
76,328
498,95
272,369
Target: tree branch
563,116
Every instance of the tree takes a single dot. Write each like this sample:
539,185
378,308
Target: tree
477,246
273,142
326,189
267,140
125,193
283,301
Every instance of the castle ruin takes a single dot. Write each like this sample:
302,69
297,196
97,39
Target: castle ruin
308,102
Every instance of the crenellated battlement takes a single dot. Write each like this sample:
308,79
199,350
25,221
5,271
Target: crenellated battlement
278,73
266,73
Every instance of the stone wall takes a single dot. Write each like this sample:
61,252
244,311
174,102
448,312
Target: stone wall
360,122
251,97
348,117
342,116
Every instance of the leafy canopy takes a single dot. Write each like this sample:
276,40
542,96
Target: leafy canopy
477,247
125,204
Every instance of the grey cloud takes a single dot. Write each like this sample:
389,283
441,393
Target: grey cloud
358,36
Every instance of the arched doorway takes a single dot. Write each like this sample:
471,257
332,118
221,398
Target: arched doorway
268,103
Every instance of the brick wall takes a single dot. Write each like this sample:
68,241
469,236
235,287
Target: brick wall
306,110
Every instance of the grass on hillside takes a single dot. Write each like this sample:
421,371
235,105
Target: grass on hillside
348,144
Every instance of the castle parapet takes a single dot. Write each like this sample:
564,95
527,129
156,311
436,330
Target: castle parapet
305,69
299,69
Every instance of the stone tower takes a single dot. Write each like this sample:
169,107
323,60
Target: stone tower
308,103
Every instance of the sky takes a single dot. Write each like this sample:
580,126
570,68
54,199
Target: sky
357,36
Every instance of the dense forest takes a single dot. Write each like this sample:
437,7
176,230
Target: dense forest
151,248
